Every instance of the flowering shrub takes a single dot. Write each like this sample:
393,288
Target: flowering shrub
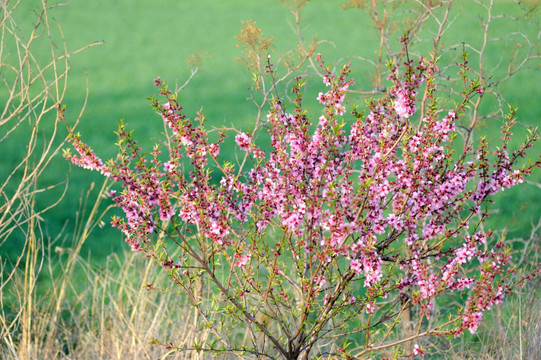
356,235
341,230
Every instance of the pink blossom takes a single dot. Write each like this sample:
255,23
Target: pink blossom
417,350
356,266
327,80
404,105
243,141
214,150
320,280
242,259
168,166
471,320
370,308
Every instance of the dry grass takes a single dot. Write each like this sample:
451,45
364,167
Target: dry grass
108,315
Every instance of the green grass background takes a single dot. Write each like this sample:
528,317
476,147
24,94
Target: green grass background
146,39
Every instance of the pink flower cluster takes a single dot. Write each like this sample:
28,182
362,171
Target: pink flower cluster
243,141
86,159
404,93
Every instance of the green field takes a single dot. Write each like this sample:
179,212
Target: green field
135,41
142,40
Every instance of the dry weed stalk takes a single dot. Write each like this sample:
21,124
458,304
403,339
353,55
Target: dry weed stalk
33,84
